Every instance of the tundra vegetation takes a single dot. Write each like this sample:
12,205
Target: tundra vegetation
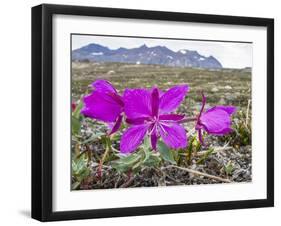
103,156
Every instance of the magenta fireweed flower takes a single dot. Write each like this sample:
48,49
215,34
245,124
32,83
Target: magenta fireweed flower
215,120
149,113
104,104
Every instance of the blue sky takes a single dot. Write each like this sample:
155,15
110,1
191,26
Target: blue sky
230,54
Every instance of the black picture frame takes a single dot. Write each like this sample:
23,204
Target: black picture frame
42,108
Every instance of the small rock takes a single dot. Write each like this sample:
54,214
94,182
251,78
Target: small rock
228,87
215,89
111,72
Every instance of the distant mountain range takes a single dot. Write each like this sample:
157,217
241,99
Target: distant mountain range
159,55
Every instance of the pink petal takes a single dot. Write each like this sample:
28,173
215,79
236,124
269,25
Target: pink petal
171,99
173,135
171,117
155,102
103,86
132,138
101,106
117,125
136,121
137,103
116,98
229,109
216,121
223,132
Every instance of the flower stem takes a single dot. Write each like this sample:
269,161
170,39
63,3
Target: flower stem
200,173
107,149
191,119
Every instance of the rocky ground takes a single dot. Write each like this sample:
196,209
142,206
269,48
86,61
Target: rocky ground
168,176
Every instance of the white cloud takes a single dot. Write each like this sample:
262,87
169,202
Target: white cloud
230,54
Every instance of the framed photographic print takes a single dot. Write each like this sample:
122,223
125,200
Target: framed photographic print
145,112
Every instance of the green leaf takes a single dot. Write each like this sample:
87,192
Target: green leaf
229,168
152,161
131,159
165,152
196,144
119,167
137,167
127,162
144,157
93,138
80,169
75,125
